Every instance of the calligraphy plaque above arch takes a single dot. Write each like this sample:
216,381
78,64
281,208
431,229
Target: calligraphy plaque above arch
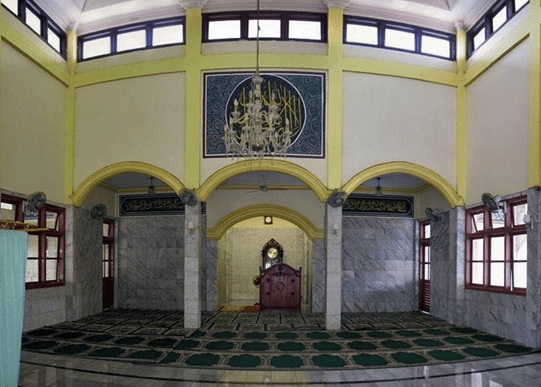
300,95
158,204
401,206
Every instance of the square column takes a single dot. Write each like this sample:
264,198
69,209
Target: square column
333,265
192,266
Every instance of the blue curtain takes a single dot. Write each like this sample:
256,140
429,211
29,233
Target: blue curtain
13,249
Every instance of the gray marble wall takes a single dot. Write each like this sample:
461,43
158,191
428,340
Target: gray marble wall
440,267
84,294
318,277
378,264
151,262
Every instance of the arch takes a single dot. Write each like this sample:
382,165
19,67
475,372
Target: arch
288,214
97,177
411,169
281,166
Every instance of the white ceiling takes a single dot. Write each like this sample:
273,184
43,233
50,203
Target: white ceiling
86,16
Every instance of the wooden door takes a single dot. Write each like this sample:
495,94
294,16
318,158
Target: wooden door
108,263
424,266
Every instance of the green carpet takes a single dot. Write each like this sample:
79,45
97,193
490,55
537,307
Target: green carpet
263,341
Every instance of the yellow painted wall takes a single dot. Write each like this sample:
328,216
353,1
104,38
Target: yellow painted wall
395,119
32,121
498,127
137,119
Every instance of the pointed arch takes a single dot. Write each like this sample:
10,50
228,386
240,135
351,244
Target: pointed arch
281,166
288,214
97,177
418,171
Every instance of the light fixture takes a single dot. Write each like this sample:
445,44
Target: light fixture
255,126
379,192
151,188
191,227
528,220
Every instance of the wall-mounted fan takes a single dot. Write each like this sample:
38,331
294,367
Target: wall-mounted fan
35,202
188,197
97,212
433,214
493,203
337,198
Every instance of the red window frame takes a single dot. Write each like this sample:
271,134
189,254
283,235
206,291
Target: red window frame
510,229
109,240
58,232
424,265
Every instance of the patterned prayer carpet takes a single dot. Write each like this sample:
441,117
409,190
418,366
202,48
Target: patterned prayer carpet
269,341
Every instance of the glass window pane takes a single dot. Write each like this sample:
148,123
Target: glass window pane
303,29
498,219
105,252
427,231
499,19
105,269
224,29
33,21
520,3
477,273
168,35
52,221
497,248
519,274
497,273
53,39
520,247
267,28
362,34
52,247
479,39
435,46
32,270
400,39
131,40
106,229
427,254
96,47
478,224
12,5
518,213
477,250
427,272
7,211
51,270
33,246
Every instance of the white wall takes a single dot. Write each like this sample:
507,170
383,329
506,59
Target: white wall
138,119
396,119
33,127
498,126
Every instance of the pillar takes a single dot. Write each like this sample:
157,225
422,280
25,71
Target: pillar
333,264
192,266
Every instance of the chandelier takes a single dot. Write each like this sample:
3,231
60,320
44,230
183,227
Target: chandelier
255,127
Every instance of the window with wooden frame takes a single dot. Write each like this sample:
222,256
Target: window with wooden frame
132,37
300,26
399,36
108,247
496,248
424,265
46,249
38,21
499,14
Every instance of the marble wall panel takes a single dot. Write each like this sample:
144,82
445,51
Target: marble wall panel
150,262
378,264
440,267
318,277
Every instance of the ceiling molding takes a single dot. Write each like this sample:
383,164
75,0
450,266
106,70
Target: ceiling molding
269,187
342,4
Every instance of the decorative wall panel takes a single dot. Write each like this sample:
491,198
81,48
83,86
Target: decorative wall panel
302,100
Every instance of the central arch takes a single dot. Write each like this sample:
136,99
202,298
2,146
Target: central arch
280,166
288,214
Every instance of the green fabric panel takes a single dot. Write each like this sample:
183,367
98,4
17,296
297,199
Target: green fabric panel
13,249
328,361
248,361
